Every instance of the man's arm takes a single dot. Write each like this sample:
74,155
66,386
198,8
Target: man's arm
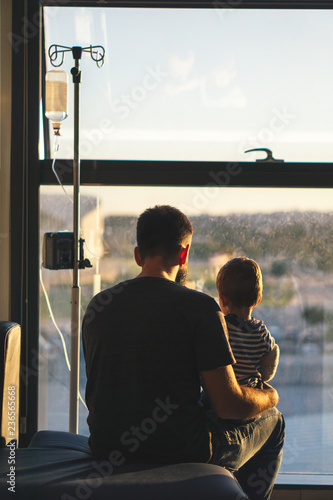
231,400
269,363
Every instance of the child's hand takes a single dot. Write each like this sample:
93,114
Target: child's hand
269,363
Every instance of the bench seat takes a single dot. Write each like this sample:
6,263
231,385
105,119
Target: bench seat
60,466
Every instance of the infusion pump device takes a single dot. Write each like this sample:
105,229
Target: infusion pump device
58,251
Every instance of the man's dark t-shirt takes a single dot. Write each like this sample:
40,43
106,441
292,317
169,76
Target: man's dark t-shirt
145,342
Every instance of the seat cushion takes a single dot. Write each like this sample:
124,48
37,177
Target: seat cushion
60,466
10,352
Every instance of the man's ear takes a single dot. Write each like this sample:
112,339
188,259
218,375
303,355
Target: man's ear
137,257
183,254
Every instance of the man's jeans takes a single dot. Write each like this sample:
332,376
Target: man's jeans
251,450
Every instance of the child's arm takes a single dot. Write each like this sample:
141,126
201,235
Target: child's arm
269,363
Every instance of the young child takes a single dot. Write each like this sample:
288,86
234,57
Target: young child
239,285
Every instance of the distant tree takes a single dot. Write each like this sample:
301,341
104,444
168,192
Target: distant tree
279,268
329,327
324,258
277,296
204,250
313,315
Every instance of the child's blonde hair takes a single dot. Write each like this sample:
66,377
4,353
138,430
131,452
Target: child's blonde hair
240,280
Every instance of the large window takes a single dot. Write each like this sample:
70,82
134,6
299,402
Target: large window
204,86
288,232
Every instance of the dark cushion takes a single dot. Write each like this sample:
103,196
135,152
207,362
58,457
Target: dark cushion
60,466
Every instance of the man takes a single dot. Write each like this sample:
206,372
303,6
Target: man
149,343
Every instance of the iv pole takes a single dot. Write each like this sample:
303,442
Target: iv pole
97,53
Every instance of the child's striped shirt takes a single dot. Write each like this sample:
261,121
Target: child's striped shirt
249,340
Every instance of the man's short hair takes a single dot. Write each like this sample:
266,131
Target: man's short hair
161,230
240,280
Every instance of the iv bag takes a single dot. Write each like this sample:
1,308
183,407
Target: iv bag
56,96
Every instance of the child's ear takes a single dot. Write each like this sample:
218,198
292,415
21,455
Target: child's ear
223,300
259,299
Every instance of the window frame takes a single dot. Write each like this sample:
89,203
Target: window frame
28,173
191,173
195,4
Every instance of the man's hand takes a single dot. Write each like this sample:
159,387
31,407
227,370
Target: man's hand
267,387
231,400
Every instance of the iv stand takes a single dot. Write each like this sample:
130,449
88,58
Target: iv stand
76,291
97,54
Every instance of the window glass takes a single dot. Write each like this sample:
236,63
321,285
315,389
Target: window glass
198,84
287,231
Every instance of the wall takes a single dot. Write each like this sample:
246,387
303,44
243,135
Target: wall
310,494
5,145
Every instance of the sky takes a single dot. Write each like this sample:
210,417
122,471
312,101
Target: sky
201,85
